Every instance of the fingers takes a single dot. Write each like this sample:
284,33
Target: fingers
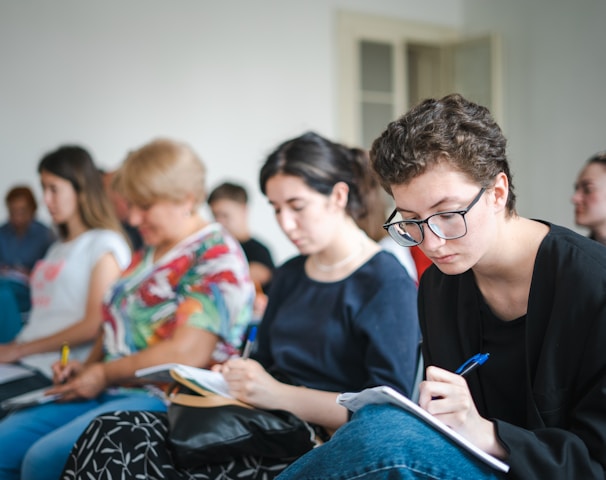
62,374
442,385
238,367
436,374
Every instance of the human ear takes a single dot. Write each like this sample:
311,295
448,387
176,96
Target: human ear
340,194
501,191
189,205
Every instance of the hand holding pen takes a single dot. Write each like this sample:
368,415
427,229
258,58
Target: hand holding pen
60,369
441,382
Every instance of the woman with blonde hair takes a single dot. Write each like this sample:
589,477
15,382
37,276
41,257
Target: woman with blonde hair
185,298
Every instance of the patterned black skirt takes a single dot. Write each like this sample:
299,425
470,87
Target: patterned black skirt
133,445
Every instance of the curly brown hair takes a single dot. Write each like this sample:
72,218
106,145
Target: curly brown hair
451,129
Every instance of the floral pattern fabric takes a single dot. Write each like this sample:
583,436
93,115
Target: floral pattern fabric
203,282
99,455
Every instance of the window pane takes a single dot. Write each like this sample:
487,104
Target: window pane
375,117
377,66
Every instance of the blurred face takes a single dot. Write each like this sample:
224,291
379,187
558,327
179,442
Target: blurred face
231,214
162,223
20,214
589,197
60,198
441,189
308,218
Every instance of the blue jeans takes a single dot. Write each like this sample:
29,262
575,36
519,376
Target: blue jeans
384,442
36,442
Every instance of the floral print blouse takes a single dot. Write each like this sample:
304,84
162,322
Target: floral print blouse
203,281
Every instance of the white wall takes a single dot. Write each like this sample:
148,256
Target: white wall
232,78
555,98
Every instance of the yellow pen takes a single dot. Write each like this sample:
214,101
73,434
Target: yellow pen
64,354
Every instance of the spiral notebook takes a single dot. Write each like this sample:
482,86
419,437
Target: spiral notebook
384,394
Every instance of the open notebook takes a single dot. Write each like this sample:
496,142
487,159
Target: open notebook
191,376
384,394
28,399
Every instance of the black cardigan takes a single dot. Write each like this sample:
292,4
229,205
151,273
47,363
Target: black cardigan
565,434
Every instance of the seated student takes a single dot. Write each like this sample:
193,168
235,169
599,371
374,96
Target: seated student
23,241
528,292
341,317
229,205
185,298
589,197
68,284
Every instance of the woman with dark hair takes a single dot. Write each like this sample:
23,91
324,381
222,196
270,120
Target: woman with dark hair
68,284
589,197
186,298
527,292
341,316
23,241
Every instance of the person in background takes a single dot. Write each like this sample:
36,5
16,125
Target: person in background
23,241
185,298
68,284
527,292
229,205
589,197
121,209
341,317
372,224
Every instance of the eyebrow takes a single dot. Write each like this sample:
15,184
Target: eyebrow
288,200
432,207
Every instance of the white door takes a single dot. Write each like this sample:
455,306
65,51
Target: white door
387,66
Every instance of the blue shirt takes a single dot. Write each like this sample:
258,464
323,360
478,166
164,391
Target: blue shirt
342,336
23,251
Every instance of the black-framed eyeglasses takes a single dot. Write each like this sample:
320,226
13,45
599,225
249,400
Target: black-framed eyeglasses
447,225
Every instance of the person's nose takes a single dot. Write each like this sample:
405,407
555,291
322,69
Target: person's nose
577,197
46,197
135,215
286,221
431,242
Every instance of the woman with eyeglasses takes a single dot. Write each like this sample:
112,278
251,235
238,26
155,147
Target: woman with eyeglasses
529,293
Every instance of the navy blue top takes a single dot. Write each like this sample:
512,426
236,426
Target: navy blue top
24,251
348,335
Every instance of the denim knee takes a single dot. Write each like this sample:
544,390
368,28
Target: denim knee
383,442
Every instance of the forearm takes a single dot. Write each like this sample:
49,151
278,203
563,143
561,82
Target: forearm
77,334
314,406
189,345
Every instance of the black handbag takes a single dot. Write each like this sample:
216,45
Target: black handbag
208,428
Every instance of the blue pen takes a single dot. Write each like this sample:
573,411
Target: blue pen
249,343
473,363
